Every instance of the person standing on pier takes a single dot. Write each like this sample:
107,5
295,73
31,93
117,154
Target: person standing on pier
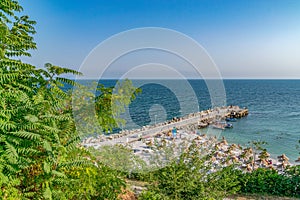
174,132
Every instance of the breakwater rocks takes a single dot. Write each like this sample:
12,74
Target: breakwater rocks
189,122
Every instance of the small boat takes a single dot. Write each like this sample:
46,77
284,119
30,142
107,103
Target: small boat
222,125
227,125
230,119
218,126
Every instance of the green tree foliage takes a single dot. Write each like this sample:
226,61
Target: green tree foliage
97,108
112,101
266,181
40,155
120,158
191,177
93,181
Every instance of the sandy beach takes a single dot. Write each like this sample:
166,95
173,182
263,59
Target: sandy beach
147,142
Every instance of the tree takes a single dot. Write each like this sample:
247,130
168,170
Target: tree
192,176
39,145
97,108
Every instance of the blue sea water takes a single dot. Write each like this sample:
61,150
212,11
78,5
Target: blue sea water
274,109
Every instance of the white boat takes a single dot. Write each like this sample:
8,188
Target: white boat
218,126
222,125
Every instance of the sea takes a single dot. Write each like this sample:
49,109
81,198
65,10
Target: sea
274,109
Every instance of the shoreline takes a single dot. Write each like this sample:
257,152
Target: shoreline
224,154
141,141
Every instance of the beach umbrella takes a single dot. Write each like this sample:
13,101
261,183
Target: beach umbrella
247,152
264,155
243,156
250,150
285,164
198,138
205,143
231,147
284,157
232,153
228,162
224,142
234,147
267,154
217,147
218,154
248,167
149,143
288,163
281,156
234,159
213,159
264,162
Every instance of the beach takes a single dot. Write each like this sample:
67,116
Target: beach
178,133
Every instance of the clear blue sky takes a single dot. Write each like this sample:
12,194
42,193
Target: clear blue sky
246,38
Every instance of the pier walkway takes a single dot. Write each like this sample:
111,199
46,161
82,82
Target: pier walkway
195,120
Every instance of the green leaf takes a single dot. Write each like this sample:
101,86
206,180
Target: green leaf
32,118
46,167
47,193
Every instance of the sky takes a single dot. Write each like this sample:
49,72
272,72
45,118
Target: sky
244,38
